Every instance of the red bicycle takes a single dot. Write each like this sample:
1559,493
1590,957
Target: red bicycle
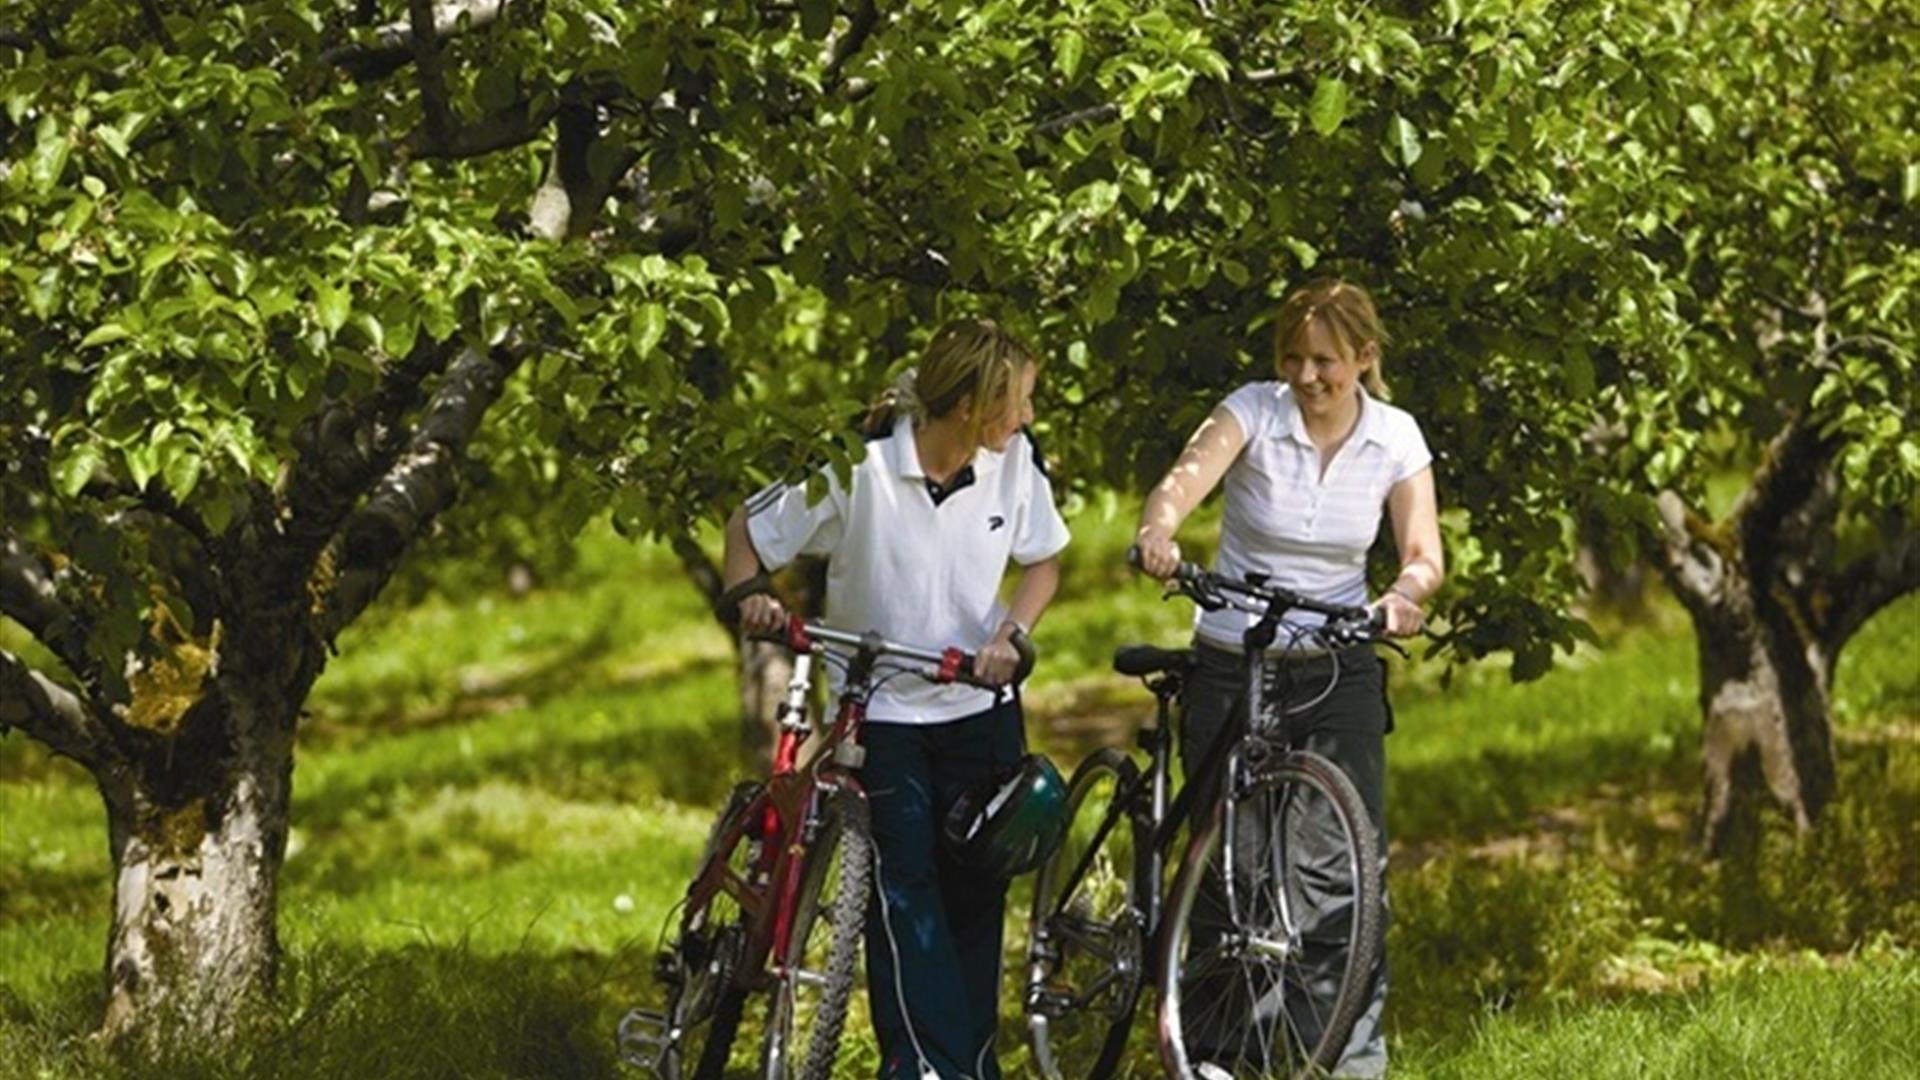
777,907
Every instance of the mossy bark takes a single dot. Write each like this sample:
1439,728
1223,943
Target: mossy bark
1764,701
198,834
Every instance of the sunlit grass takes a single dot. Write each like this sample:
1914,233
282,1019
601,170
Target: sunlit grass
498,801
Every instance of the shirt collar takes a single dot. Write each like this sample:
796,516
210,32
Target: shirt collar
904,454
1287,422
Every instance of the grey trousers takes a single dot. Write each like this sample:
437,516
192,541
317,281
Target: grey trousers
1349,729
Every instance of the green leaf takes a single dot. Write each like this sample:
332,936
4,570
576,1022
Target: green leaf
334,304
1068,50
143,460
51,149
645,329
1910,182
182,472
1329,106
103,334
72,471
1404,140
1702,119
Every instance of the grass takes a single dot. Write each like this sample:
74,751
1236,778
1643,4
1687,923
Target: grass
498,801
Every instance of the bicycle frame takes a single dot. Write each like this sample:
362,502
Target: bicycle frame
1225,758
786,811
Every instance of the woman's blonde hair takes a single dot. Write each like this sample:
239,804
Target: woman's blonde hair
969,360
1347,310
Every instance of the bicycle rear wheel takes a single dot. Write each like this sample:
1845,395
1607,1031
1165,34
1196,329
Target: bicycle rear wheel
1266,968
808,1009
1087,940
704,1000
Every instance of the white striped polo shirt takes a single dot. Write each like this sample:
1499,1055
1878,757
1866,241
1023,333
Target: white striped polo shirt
1307,531
921,569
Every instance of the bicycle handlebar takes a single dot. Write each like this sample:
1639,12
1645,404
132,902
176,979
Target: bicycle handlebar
951,665
1208,589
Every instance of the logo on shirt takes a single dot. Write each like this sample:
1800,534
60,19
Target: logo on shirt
995,522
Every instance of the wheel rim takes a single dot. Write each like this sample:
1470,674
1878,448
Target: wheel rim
809,1000
1254,973
1085,960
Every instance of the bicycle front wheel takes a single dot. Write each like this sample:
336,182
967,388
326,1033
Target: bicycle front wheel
1272,936
810,994
1087,939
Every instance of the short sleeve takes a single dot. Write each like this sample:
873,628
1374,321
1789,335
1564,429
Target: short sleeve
784,526
1252,405
1040,533
1410,450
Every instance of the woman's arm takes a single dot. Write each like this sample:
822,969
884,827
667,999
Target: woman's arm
1415,511
762,612
1038,582
1210,451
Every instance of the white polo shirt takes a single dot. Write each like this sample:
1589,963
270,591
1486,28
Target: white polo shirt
1307,531
919,573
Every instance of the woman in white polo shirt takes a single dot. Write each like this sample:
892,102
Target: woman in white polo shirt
951,491
1310,462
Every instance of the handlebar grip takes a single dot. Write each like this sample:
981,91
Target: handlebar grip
1023,645
1377,621
1186,572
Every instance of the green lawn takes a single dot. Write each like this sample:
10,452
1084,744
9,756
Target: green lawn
497,802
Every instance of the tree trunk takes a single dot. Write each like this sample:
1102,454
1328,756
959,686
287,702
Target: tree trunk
198,836
1764,699
765,670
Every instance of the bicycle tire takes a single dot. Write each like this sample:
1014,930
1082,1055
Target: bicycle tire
1085,959
847,831
707,954
1295,791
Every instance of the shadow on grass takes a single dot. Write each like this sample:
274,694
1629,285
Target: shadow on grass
1617,899
420,1011
635,759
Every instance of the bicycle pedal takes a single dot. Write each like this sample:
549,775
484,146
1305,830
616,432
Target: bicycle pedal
643,1039
1050,1003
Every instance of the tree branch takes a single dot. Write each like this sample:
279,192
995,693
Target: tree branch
29,596
1693,564
1098,114
510,127
426,60
1868,584
341,450
845,47
392,44
1789,475
50,714
423,482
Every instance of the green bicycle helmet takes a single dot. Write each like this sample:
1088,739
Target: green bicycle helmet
1010,824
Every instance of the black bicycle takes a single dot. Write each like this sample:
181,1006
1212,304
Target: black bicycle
1247,928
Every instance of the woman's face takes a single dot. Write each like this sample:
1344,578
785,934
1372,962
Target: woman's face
1321,372
999,430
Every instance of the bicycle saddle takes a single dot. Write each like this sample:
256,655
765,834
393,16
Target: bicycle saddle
1150,659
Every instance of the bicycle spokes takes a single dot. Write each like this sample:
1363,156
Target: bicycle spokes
1266,963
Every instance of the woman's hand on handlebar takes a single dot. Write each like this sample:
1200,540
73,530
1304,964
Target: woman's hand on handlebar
1155,555
762,613
1404,617
997,660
